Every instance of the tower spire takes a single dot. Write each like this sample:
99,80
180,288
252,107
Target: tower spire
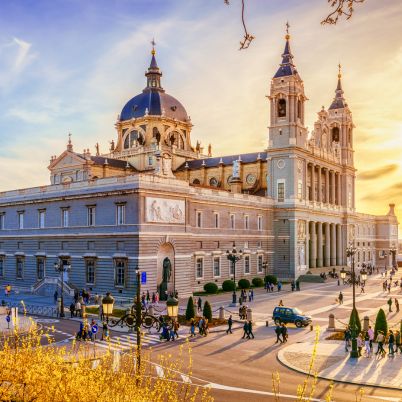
153,74
287,66
339,101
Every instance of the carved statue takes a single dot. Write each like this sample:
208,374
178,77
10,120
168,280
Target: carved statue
112,145
209,150
97,149
197,147
167,270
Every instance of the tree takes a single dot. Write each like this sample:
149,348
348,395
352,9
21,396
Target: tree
244,284
355,320
271,279
380,323
228,285
190,310
211,287
207,311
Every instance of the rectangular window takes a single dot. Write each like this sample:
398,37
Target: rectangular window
20,220
90,271
232,221
300,190
231,268
20,268
281,192
150,160
1,267
41,219
247,264
120,272
91,216
2,220
65,217
246,221
40,268
216,220
259,223
259,264
199,219
217,266
121,214
199,267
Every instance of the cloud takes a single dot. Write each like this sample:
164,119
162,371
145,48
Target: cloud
23,56
377,173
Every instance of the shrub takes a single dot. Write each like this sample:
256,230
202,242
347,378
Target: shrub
380,323
244,284
355,320
207,311
211,287
257,282
271,279
228,285
190,310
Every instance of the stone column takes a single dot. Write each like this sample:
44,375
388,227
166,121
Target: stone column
307,246
333,244
339,189
319,244
313,182
332,187
319,185
338,245
327,259
327,186
313,244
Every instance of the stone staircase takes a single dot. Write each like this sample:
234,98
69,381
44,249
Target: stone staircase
48,285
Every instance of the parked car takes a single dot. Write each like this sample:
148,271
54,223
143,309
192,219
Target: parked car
290,315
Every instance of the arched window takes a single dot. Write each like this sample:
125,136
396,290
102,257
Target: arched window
299,109
156,134
213,181
176,138
350,136
282,108
132,138
196,181
335,134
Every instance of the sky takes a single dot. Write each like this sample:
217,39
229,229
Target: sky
70,66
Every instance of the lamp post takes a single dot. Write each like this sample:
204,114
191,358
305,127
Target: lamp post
343,275
363,275
138,317
172,307
350,253
234,256
61,268
107,306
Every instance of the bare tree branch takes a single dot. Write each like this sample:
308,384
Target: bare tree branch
341,8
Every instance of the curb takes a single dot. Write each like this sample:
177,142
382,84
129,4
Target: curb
285,363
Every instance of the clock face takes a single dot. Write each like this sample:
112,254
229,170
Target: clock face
251,179
281,164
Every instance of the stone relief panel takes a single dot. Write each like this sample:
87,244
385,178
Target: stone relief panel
301,230
164,210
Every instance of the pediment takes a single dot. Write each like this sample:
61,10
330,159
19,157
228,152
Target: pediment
67,159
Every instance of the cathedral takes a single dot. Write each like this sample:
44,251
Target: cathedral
157,200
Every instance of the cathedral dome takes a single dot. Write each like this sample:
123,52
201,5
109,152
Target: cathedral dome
153,100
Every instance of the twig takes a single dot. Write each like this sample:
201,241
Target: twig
342,8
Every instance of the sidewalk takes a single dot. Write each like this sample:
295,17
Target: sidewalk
23,325
333,363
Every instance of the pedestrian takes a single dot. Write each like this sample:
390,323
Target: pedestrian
230,323
391,342
176,327
199,304
370,333
268,285
249,296
78,309
278,331
339,283
192,327
153,298
201,326
389,287
252,294
367,348
272,287
148,297
55,296
340,298
347,338
279,286
105,331
293,286
359,344
250,330
389,302
398,342
157,297
380,342
205,326
245,330
362,288
396,305
72,309
284,333
171,333
280,303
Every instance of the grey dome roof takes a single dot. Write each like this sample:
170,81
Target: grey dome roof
157,103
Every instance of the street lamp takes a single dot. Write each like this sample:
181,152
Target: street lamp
138,317
107,305
172,306
343,274
61,268
234,256
350,253
363,275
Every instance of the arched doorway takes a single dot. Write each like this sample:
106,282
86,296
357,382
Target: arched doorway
166,276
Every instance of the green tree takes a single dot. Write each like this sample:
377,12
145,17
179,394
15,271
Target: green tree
381,323
211,287
355,320
228,286
271,279
244,284
190,310
207,311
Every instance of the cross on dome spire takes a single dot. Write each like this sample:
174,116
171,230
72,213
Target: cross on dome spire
69,144
287,66
339,101
153,74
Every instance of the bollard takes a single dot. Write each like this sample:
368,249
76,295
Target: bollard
311,327
151,309
221,313
331,323
249,314
366,322
266,323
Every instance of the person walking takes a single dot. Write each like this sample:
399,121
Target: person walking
201,326
278,331
148,297
252,294
340,298
284,333
72,309
199,304
396,305
367,348
380,341
268,286
250,330
359,344
362,288
176,327
398,342
78,309
153,298
192,328
347,337
55,296
249,296
230,323
370,333
245,330
391,342
105,331
389,302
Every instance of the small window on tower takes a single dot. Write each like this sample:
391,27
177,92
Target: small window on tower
335,134
282,108
299,107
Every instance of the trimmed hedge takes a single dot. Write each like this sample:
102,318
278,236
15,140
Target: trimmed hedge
257,282
207,311
211,288
354,319
381,323
244,284
271,279
228,286
190,310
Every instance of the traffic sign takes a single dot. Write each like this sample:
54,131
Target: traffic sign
8,318
143,277
94,329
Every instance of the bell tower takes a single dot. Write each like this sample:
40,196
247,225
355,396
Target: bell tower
287,100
